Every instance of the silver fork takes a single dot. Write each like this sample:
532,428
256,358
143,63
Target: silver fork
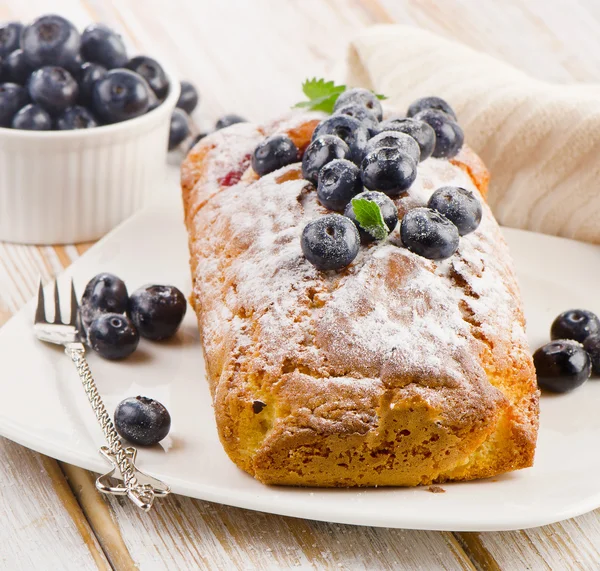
140,488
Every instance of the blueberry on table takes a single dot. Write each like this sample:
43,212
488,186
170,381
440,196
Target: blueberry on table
142,421
104,293
32,118
349,129
179,129
436,103
157,311
15,68
120,95
90,73
76,117
50,40
228,120
113,336
321,151
188,97
428,233
53,88
418,130
152,72
459,205
101,45
389,170
592,346
12,98
360,96
386,206
274,153
339,182
360,112
10,36
330,242
577,324
561,366
405,143
196,139
449,137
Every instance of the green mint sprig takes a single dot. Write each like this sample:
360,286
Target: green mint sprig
368,214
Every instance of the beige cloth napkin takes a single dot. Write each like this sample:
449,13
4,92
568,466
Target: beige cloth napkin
540,141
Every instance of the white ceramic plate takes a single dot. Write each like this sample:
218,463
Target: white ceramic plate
44,407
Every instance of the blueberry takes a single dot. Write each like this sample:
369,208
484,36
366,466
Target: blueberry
339,182
10,36
16,69
76,117
74,67
50,40
153,101
90,73
104,293
405,143
157,311
32,118
449,136
364,115
321,151
428,233
228,120
142,421
418,130
389,170
12,98
152,72
53,88
592,346
273,153
196,140
100,44
458,205
188,97
561,366
436,103
330,242
349,129
577,324
362,97
388,211
120,95
180,128
113,336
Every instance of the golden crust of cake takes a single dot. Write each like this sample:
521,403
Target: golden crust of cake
396,371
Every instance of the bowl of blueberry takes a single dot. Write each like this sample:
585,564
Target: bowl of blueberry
84,130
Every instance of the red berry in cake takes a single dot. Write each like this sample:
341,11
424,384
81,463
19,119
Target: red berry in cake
339,181
142,421
459,205
347,128
32,118
360,96
388,170
274,153
405,143
428,233
561,366
50,41
577,324
321,151
449,137
418,130
436,103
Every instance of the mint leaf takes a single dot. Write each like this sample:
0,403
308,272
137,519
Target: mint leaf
379,96
370,218
321,94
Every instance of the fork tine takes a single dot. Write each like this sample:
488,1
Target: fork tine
57,318
40,310
74,305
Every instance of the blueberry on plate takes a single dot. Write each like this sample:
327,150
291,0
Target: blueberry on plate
389,170
428,233
405,143
362,97
179,129
436,103
561,366
53,88
100,44
32,118
339,182
10,36
12,98
142,421
76,117
50,40
321,151
157,311
15,68
592,346
418,130
360,112
227,120
104,293
386,206
330,242
350,130
152,72
449,136
120,95
113,336
90,73
188,97
273,153
577,324
458,205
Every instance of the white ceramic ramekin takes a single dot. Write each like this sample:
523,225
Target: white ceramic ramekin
60,187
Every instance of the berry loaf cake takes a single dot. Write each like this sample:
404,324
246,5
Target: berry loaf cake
396,362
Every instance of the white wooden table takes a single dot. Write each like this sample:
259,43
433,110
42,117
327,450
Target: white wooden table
250,57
